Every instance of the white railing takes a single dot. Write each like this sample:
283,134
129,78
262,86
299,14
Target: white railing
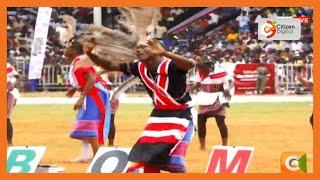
286,81
55,77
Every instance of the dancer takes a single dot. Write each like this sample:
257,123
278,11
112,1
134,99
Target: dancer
215,86
93,118
12,96
163,143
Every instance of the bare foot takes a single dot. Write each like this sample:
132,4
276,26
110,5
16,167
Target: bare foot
81,160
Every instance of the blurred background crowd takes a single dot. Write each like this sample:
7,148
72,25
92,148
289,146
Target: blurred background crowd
220,35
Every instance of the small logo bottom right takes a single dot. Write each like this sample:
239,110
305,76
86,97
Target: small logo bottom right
293,162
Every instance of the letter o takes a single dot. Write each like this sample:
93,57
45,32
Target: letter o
120,155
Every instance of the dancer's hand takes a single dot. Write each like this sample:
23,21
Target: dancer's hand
226,94
90,45
71,92
155,48
79,103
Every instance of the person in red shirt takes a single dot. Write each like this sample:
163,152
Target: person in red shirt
94,110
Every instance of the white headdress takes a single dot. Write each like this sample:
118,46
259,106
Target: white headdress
116,45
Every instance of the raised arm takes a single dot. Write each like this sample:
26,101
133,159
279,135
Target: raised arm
105,64
182,62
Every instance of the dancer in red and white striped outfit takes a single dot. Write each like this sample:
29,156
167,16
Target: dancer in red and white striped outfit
163,143
215,86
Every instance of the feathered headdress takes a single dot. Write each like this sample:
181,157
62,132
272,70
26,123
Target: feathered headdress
116,45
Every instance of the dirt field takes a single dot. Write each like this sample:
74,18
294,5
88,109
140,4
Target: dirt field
272,128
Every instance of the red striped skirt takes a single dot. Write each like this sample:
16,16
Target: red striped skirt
158,142
215,109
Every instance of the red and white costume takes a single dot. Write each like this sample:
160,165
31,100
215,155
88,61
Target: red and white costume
211,98
12,92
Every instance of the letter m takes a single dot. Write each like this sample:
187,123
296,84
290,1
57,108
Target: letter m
226,159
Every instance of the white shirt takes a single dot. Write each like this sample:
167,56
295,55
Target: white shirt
214,18
173,11
218,45
205,98
179,11
243,20
229,67
280,70
257,18
170,19
296,46
272,15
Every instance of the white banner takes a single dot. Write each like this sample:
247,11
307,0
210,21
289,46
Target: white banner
97,15
39,42
22,159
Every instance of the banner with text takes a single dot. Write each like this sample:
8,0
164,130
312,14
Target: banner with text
39,42
245,78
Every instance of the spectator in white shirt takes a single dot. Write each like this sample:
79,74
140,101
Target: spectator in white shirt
243,20
214,18
257,18
272,15
176,11
170,19
173,12
287,45
179,11
296,46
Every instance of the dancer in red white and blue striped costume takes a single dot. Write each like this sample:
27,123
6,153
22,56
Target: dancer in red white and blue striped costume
164,141
94,110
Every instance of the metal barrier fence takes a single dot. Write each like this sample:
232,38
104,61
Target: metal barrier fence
56,78
286,81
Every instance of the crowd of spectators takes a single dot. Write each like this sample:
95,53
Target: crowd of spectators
222,35
237,40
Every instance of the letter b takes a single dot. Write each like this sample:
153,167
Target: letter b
20,159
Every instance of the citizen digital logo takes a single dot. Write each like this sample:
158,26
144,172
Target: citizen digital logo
285,29
281,28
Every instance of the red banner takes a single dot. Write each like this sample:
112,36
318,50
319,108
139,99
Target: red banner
245,77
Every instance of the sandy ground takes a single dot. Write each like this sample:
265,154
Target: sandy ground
272,128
